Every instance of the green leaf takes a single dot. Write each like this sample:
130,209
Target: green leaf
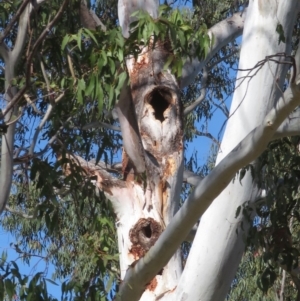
100,97
91,35
80,90
91,87
122,77
112,66
65,41
104,57
110,96
9,288
79,38
3,256
168,62
120,54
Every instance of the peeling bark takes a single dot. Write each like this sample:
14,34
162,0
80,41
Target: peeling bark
154,194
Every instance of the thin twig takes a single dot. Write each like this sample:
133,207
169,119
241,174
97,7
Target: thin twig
197,102
31,103
18,213
221,59
71,66
208,135
42,123
97,124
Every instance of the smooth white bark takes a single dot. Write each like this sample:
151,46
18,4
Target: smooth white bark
11,58
127,7
219,242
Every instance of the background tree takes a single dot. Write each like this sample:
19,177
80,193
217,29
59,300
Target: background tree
62,136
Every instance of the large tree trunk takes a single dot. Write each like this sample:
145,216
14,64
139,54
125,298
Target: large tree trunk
150,115
220,240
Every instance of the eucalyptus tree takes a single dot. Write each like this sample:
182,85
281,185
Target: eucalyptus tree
137,81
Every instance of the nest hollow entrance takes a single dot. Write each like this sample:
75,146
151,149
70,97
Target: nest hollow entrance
160,99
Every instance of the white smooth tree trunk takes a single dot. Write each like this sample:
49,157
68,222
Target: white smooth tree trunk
220,240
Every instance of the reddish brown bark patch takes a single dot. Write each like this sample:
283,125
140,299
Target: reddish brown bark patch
143,235
152,285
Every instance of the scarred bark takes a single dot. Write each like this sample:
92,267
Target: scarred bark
154,194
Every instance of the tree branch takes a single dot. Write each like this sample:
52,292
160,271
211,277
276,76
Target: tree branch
130,131
104,181
208,135
48,112
221,33
6,171
99,124
4,52
202,196
191,178
127,8
290,127
88,18
197,102
18,213
32,104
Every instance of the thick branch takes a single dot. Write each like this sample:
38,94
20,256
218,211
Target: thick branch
4,51
130,131
203,195
290,127
191,178
127,8
104,181
11,58
221,33
88,18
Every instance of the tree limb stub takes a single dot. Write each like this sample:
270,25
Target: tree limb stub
104,181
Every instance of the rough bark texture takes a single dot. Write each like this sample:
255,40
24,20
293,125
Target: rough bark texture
150,115
155,194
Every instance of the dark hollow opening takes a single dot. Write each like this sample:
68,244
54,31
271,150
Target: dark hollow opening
147,231
160,100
